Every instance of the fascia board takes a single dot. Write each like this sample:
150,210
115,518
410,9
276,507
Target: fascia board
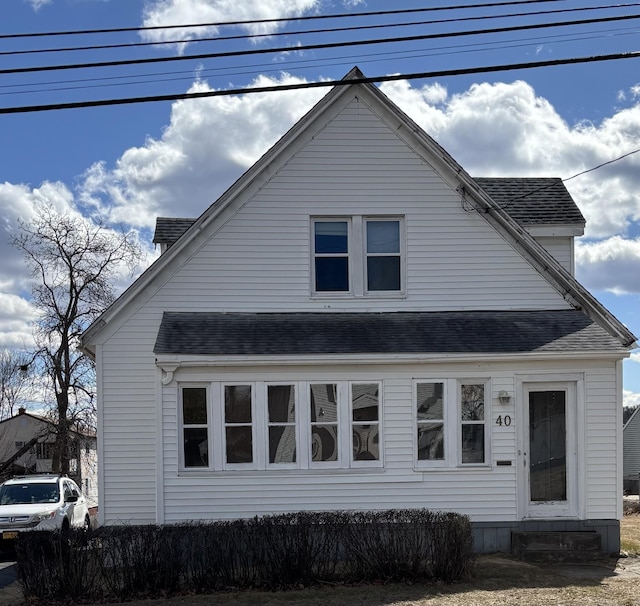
171,363
554,229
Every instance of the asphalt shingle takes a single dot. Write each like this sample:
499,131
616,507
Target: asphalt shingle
212,333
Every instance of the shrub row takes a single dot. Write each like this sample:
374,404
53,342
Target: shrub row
281,551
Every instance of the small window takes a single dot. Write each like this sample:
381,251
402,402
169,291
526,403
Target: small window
430,421
238,423
383,255
195,427
324,422
331,256
281,410
365,421
472,423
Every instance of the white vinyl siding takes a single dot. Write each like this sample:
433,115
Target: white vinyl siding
259,259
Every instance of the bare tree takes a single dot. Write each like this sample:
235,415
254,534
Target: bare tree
75,264
13,381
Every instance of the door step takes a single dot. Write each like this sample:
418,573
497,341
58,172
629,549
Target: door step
543,546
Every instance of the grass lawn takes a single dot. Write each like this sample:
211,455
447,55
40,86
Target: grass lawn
498,580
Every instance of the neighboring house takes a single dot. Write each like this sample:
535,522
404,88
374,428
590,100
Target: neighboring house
631,453
26,447
357,323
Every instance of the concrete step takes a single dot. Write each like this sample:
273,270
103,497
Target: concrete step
537,546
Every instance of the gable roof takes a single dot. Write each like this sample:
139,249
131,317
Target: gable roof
529,200
533,200
45,421
497,332
473,194
169,229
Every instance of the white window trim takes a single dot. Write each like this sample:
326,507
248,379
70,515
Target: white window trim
487,417
216,427
350,257
401,253
357,257
452,415
366,464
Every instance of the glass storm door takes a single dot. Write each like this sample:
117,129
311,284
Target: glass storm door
549,450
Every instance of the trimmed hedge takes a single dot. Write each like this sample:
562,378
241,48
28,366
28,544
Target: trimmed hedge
114,563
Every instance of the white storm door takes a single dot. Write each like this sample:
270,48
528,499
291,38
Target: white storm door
549,449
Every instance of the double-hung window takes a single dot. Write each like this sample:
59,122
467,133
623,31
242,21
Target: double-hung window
357,255
195,426
298,425
450,423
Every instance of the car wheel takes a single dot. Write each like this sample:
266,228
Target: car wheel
87,523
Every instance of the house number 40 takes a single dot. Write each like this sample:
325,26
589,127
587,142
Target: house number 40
506,420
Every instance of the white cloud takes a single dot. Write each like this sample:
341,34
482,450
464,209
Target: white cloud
612,264
180,12
38,4
208,144
630,398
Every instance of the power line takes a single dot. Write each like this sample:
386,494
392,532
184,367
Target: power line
115,81
322,84
317,46
312,31
274,20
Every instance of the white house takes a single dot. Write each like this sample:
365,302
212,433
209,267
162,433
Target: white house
357,323
26,447
631,453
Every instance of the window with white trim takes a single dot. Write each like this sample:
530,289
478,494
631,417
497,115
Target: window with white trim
357,255
472,428
450,423
265,425
195,426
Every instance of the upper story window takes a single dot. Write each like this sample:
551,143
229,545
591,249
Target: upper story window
357,255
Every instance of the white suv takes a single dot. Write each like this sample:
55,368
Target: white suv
44,502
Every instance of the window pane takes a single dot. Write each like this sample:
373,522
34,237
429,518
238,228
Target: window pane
324,403
196,447
324,443
429,400
331,237
365,443
473,443
239,445
237,404
383,237
282,444
194,405
383,273
431,441
364,402
281,403
472,405
548,446
332,274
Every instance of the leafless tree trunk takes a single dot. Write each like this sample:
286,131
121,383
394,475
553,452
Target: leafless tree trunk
75,264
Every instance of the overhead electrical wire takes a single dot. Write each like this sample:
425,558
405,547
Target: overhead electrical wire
277,20
148,60
321,84
116,81
311,31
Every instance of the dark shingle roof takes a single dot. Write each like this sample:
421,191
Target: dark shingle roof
210,333
169,229
534,200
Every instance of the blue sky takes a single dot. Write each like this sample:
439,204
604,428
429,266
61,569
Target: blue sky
128,164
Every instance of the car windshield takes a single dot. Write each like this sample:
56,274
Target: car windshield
21,494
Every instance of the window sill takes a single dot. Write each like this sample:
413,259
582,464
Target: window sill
353,297
364,474
453,468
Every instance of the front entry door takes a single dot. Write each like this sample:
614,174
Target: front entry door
549,450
